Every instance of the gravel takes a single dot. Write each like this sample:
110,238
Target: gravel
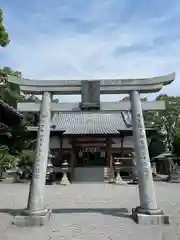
89,211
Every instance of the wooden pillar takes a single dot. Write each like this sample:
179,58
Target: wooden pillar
61,149
109,158
122,144
73,159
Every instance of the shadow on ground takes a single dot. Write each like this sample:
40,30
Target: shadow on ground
116,212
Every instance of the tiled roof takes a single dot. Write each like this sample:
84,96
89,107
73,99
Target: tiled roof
90,122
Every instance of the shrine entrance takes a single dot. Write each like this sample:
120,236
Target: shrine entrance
89,174
90,164
91,157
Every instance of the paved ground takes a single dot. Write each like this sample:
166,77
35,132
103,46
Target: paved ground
89,211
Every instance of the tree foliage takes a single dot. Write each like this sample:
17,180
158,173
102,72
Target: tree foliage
156,145
9,92
4,39
168,120
167,123
176,142
26,158
18,141
15,145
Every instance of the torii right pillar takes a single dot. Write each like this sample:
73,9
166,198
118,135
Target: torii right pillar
148,211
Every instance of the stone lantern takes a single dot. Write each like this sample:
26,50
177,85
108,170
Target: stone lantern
65,170
173,170
154,171
118,179
50,157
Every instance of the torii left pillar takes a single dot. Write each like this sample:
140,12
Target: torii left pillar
36,214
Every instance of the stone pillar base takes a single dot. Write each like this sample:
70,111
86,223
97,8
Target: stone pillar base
25,219
17,178
65,180
134,181
149,217
119,181
111,180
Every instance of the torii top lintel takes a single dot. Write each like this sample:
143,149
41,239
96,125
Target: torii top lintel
107,86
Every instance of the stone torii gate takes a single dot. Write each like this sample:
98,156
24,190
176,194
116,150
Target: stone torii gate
148,211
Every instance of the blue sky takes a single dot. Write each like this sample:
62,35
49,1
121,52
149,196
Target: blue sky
68,39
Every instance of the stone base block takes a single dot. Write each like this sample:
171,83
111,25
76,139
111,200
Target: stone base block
133,182
174,180
120,183
23,220
148,219
111,180
64,183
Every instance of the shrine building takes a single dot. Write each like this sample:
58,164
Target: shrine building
90,134
88,139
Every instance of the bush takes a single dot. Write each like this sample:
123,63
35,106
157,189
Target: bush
7,160
26,158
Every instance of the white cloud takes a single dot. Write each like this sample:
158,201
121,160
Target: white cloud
66,53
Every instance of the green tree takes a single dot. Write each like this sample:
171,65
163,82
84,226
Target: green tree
4,39
9,92
176,142
168,120
176,145
18,140
11,145
156,145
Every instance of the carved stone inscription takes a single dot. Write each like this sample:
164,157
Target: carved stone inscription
142,144
40,146
90,93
